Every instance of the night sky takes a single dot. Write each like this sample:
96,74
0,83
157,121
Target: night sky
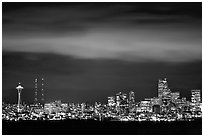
89,51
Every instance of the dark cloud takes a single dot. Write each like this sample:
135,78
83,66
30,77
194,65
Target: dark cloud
38,63
105,30
58,17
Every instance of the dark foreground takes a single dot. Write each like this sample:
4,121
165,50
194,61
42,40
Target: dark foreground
76,127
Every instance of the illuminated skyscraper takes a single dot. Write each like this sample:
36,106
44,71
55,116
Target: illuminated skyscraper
156,101
195,96
124,104
131,99
175,96
164,93
121,102
145,106
162,88
111,101
83,107
19,88
118,101
124,98
195,100
111,104
97,107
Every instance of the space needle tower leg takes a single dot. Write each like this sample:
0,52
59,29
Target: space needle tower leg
19,98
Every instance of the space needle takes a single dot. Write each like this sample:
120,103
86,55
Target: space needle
19,89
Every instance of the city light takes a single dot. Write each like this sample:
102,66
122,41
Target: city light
167,106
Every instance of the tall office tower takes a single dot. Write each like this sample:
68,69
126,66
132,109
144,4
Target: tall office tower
131,99
83,107
118,98
19,89
36,91
164,93
124,98
118,101
195,100
195,96
124,104
111,104
97,108
162,87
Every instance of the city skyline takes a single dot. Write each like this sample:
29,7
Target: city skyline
89,68
166,106
163,88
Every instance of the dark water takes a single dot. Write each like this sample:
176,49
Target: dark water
76,127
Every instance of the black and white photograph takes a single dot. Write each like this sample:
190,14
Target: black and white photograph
101,68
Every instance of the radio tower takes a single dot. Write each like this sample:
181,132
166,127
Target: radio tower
42,91
36,90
